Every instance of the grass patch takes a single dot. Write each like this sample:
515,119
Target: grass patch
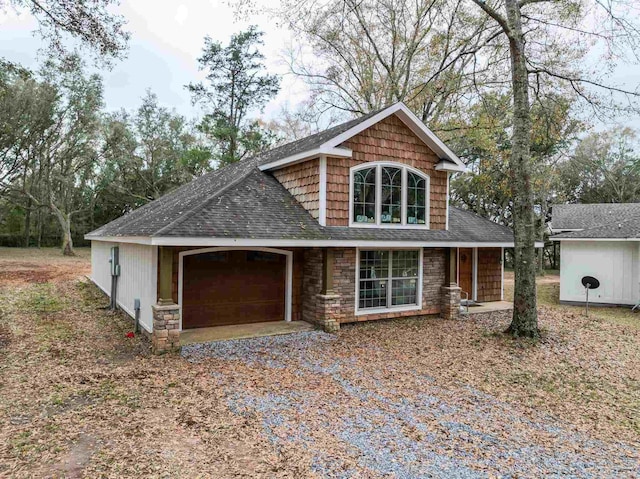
549,295
42,299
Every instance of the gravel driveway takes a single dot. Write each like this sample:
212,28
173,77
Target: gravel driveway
362,412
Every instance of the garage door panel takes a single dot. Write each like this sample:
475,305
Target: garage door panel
235,288
225,314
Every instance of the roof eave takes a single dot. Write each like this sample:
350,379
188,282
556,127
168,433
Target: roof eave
583,238
446,165
332,146
306,155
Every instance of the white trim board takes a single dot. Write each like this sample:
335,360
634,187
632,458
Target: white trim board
446,224
292,243
332,146
120,239
306,155
289,273
594,239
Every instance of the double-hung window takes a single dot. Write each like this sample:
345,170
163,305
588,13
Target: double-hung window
389,194
389,279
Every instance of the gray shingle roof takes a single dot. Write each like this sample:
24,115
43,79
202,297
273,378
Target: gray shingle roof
313,141
597,221
240,201
257,206
582,217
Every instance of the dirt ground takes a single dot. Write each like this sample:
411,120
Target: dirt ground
33,266
404,398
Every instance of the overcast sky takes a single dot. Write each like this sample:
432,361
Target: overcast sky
167,38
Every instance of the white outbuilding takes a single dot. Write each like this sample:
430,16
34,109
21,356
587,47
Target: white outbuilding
600,241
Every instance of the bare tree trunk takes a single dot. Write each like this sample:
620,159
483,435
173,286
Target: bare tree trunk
65,226
525,314
27,223
39,229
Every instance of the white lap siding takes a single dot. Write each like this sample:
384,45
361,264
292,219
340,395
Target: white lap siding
613,263
138,276
100,268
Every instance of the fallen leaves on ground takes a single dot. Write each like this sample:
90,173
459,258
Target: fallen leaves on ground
79,399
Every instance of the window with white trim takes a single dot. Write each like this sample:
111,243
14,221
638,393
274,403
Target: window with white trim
389,194
388,279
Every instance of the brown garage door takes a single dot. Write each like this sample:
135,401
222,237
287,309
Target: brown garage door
233,287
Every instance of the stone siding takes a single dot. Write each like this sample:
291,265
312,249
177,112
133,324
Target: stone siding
344,287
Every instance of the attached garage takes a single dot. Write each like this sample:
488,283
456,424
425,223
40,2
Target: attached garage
234,286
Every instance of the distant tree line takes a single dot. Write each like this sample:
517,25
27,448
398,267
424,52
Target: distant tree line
68,166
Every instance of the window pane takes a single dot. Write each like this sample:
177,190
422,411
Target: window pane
364,196
404,291
405,264
391,195
416,199
373,294
374,264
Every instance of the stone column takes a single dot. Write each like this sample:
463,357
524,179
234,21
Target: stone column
166,314
450,301
328,308
166,332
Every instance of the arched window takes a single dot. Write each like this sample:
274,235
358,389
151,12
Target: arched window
364,195
389,195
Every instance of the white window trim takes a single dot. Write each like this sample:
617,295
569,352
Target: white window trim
378,224
288,280
389,309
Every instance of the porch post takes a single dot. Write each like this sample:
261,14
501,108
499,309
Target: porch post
327,271
451,271
450,291
328,302
166,314
166,275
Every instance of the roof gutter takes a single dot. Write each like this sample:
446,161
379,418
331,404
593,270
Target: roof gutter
594,239
209,241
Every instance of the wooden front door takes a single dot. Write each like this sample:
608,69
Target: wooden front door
233,287
465,268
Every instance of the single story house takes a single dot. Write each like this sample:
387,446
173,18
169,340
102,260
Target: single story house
602,241
350,224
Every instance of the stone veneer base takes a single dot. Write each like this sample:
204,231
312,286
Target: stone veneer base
166,328
450,306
